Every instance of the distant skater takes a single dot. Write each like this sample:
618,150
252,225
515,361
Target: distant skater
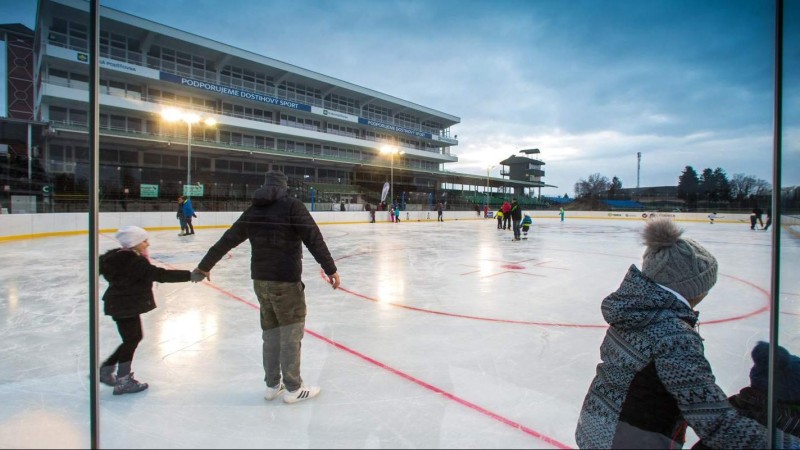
755,217
188,214
506,215
712,217
439,217
371,210
181,217
526,224
499,216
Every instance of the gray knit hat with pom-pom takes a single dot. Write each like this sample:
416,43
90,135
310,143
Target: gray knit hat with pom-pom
680,264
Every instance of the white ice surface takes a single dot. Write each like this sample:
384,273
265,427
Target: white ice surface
444,335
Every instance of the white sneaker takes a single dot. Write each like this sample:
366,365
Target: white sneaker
303,393
273,393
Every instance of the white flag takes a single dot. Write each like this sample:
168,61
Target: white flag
385,191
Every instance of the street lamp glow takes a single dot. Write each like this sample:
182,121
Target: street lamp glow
190,118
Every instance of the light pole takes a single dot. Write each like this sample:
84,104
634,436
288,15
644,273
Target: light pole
190,118
488,169
391,151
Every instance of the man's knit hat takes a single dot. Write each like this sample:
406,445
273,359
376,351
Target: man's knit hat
680,264
130,236
276,178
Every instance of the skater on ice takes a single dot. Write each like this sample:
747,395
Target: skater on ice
129,294
526,224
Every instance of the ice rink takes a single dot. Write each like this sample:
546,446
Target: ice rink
443,335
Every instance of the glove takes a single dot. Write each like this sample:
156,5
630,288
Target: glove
194,215
197,276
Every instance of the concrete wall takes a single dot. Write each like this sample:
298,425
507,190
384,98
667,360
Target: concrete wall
27,226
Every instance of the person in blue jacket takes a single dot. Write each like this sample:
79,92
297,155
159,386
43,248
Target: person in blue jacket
526,224
188,214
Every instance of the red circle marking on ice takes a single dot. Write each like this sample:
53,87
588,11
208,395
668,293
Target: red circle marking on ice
512,266
755,312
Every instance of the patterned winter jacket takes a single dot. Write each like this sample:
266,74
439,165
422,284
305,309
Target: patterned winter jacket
654,379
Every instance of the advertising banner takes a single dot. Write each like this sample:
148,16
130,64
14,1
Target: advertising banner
193,190
148,190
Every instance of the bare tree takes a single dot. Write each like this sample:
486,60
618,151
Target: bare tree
742,185
745,186
592,187
762,187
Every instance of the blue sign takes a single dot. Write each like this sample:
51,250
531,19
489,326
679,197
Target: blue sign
205,85
266,99
390,127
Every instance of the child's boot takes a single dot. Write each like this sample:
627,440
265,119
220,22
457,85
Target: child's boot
107,376
128,385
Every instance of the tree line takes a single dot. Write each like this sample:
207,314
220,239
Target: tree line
709,186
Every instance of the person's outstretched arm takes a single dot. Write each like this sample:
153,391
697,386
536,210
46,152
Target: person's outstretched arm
305,226
234,236
685,372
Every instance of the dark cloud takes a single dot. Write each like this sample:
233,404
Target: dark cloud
590,83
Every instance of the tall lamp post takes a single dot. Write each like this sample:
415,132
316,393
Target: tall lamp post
391,151
488,169
190,118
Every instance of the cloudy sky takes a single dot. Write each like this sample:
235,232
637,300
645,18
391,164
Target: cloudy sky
589,83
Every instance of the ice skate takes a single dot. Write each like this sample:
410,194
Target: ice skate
107,375
128,385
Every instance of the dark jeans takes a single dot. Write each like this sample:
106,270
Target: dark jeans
506,222
189,227
130,330
283,320
515,223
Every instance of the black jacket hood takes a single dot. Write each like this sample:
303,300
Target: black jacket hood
268,195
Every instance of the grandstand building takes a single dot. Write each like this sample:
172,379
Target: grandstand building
326,134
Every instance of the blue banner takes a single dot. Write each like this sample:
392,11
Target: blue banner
234,92
390,127
266,99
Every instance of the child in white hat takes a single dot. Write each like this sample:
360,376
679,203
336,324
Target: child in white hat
129,294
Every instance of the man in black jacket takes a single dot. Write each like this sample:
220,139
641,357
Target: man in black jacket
277,226
516,218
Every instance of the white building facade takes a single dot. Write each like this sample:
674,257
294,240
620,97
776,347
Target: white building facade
325,134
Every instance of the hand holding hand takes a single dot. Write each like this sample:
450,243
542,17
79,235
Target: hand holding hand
335,280
198,275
